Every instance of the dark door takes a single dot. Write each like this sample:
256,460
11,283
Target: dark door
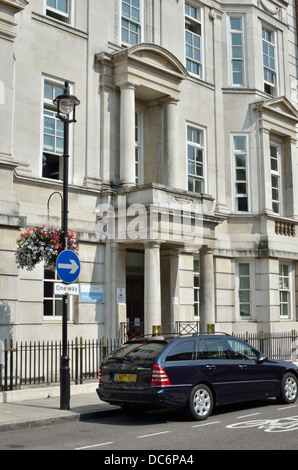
135,293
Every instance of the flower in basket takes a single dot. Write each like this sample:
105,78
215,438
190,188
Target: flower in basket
42,243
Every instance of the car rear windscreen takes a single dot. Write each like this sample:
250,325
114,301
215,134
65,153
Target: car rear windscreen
143,351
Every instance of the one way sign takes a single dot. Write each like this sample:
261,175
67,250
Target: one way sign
68,266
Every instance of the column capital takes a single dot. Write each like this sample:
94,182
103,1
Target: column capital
152,244
169,100
126,85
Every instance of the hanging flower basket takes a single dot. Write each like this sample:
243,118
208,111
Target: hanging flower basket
42,244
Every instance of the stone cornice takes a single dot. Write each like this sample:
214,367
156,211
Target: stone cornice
14,5
8,8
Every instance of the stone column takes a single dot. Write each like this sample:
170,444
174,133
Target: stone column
172,175
127,135
152,303
207,308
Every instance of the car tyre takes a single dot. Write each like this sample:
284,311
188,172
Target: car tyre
201,402
289,389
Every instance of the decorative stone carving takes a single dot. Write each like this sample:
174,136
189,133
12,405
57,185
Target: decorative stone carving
267,6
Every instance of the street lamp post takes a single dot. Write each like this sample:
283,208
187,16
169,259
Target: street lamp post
66,105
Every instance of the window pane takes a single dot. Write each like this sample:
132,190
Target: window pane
51,3
49,143
217,349
49,126
244,310
182,352
242,204
58,307
48,307
239,143
241,161
236,24
62,6
244,269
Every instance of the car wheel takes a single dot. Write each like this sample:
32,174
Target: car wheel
289,388
200,403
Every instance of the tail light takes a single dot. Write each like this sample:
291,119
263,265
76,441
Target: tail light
99,375
159,377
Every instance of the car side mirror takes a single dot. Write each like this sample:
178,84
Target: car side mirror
262,358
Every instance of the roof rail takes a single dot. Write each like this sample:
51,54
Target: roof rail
179,334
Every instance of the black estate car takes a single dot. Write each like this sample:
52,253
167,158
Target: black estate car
195,372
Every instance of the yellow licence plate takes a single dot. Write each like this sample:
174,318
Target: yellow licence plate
125,377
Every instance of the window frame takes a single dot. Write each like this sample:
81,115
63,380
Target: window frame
53,298
48,106
131,21
197,146
59,15
183,348
272,86
197,22
289,290
139,146
278,174
236,196
196,288
243,58
251,290
56,298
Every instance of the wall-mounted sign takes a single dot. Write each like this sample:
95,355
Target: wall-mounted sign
121,295
92,293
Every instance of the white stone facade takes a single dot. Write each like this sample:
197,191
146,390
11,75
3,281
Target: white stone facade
183,163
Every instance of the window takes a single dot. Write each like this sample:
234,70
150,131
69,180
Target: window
285,290
242,351
181,352
131,21
269,61
236,37
240,165
53,133
196,286
193,39
275,165
58,9
196,160
202,352
139,147
52,305
243,284
217,348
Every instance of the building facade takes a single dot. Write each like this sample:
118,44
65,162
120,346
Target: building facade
183,163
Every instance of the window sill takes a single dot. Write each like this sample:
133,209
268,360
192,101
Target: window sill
59,24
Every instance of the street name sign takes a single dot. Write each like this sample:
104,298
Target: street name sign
68,266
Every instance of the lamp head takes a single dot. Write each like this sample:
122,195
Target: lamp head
66,103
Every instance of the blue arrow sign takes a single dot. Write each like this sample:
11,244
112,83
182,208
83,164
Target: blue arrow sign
68,266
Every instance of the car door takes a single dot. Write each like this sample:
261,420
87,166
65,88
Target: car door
219,369
257,379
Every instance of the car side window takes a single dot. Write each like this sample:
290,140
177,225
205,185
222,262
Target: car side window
181,352
242,351
202,352
217,348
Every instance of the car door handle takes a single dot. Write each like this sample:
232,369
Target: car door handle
243,366
210,366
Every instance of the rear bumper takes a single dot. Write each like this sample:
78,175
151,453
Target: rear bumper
157,396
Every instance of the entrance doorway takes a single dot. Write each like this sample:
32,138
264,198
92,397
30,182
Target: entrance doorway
135,293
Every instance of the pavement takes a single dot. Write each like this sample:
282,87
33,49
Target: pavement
29,408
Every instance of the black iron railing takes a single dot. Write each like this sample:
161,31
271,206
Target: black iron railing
38,363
